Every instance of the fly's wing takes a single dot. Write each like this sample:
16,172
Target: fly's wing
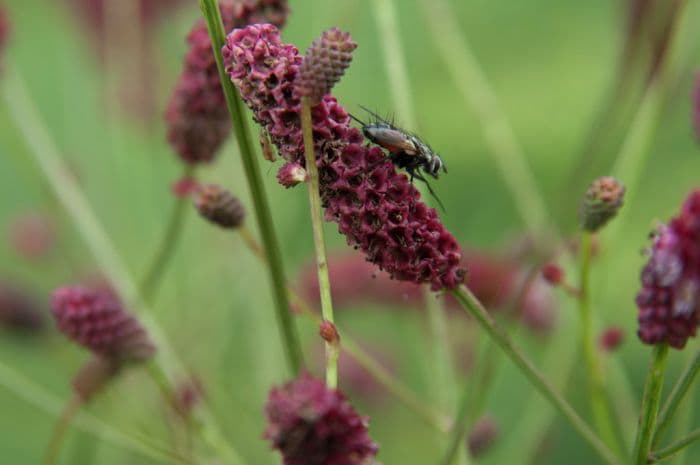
391,139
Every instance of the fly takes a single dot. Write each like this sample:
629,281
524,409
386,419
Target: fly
406,150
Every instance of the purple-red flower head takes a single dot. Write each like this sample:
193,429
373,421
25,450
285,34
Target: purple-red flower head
197,118
376,208
668,300
95,319
4,29
311,424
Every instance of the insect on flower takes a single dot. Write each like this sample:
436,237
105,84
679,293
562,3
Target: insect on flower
406,150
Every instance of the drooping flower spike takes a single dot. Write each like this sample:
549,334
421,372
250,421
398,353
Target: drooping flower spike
376,208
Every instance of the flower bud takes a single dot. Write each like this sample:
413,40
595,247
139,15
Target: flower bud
325,63
220,207
482,436
329,332
291,174
553,274
611,338
601,203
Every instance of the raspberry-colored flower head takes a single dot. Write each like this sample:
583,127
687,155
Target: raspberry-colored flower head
19,310
611,338
197,117
291,174
376,208
219,206
482,436
668,300
324,64
311,424
95,319
601,202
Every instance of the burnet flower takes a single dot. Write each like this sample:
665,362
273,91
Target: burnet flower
376,208
311,424
4,29
668,300
197,118
95,319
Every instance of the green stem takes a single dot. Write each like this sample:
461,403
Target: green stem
600,407
203,422
675,398
36,395
74,201
459,428
474,307
431,416
324,282
166,248
273,255
650,404
674,448
59,432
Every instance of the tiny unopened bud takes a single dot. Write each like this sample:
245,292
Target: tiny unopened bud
219,206
268,150
329,332
553,274
188,394
184,187
92,377
601,203
291,174
611,338
325,63
482,436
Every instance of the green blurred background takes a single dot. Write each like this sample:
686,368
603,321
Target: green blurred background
550,63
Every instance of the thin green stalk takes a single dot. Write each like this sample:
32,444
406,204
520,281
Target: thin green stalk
324,282
472,305
675,398
394,61
631,160
682,425
600,407
670,451
431,416
459,428
36,395
60,429
499,136
166,248
650,404
273,254
204,423
47,157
